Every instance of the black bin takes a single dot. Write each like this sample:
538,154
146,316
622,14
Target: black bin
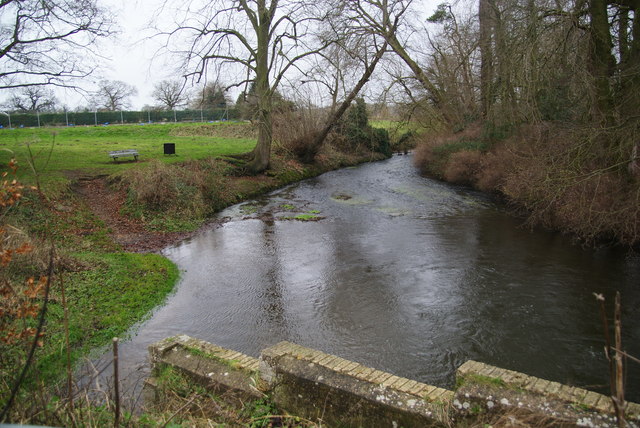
169,148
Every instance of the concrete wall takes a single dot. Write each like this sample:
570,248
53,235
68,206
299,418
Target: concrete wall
323,387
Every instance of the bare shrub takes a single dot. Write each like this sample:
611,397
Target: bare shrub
601,207
423,157
192,189
572,180
429,157
463,167
426,158
294,131
496,165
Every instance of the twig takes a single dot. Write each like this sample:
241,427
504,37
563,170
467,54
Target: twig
607,340
66,339
616,368
624,354
619,397
179,410
116,390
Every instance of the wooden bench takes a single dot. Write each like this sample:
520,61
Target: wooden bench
123,153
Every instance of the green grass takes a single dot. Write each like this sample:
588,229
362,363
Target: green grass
107,290
119,290
397,127
84,148
402,134
175,388
307,217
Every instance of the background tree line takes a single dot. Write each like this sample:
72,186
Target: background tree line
544,99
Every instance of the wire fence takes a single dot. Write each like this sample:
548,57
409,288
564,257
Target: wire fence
22,120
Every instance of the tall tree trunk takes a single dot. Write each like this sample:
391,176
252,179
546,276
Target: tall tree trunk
631,75
623,35
486,56
532,73
505,91
601,62
335,117
262,152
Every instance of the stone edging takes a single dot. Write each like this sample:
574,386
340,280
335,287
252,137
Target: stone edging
330,389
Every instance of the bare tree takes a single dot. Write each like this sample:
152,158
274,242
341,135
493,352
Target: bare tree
113,95
336,114
342,70
259,40
453,61
332,71
45,42
486,22
385,18
170,94
32,99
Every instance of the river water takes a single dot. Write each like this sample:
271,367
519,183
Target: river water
401,273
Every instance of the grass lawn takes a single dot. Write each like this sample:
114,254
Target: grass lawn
111,290
395,126
398,132
119,290
84,148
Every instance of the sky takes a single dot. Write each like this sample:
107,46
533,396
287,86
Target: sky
127,56
132,57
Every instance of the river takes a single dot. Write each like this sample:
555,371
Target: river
401,273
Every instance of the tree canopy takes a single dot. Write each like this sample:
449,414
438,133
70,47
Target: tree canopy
113,95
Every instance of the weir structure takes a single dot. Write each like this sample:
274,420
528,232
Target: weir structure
337,392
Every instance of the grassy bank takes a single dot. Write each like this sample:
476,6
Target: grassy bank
57,152
104,290
568,179
181,196
115,291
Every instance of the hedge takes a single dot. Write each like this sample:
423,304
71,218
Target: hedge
111,117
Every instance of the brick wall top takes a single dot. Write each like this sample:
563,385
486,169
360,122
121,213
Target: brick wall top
536,385
359,371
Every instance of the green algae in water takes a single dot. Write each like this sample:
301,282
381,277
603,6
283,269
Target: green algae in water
393,211
349,200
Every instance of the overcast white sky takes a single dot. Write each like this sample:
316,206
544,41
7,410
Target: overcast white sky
131,57
127,57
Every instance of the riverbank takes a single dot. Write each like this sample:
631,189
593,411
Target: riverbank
560,178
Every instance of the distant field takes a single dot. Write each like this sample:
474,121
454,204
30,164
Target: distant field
395,128
84,148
